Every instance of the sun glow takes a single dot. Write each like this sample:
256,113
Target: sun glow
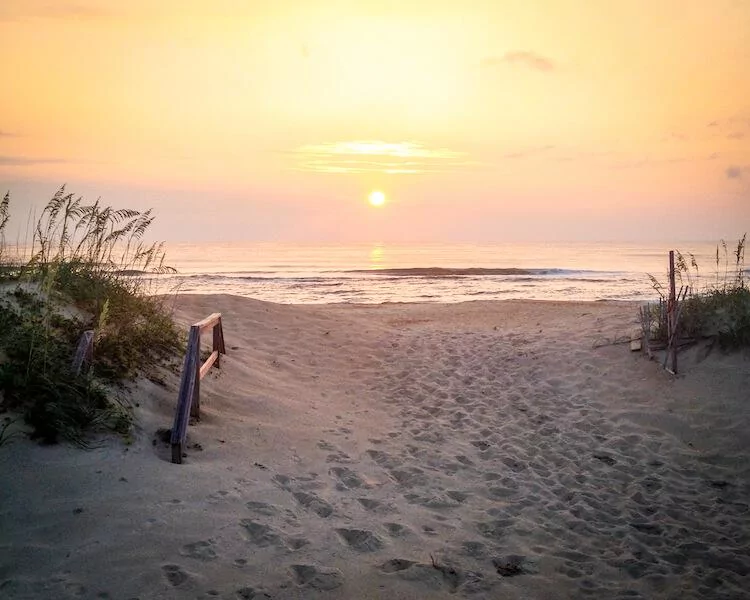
376,198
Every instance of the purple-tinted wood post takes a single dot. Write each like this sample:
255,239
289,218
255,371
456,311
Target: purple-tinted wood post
188,401
195,406
671,320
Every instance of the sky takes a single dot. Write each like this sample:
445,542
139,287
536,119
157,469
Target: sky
480,120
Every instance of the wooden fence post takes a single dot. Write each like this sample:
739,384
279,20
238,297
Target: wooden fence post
672,317
188,400
218,342
186,395
84,352
195,405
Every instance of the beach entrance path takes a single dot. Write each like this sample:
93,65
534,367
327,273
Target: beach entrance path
480,450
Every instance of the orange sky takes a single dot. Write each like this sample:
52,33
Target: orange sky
481,120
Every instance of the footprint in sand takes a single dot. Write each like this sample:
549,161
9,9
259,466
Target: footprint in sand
459,497
251,593
408,477
384,459
396,564
348,477
496,529
430,437
312,502
220,495
396,529
474,549
202,550
259,534
296,543
75,589
339,457
305,482
435,502
360,540
262,508
175,575
318,578
375,506
283,481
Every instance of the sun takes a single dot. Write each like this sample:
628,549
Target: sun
376,198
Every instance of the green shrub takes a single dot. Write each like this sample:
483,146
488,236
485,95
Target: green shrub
90,257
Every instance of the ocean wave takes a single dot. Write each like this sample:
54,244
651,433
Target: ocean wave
398,274
441,271
448,272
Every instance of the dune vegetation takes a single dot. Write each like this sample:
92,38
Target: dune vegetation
716,305
86,268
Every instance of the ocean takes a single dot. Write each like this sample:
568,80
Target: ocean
377,273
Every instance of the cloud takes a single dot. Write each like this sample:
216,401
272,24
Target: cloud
35,9
736,135
23,161
674,136
526,153
734,172
376,156
521,58
734,125
655,162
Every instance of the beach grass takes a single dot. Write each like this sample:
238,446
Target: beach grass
87,267
720,309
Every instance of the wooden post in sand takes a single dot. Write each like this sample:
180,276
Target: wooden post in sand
188,399
195,368
672,317
84,352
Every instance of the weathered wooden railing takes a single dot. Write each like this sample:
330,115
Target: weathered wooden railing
188,401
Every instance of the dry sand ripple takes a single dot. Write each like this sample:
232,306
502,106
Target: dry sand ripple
480,450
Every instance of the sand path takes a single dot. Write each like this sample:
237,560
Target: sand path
479,450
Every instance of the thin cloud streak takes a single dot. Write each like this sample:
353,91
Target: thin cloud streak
376,156
48,10
522,58
23,161
653,162
527,153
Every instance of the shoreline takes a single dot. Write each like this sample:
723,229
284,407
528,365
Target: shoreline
603,301
480,449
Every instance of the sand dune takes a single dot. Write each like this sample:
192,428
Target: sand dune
482,450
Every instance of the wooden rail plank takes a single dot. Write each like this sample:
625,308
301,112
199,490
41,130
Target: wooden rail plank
185,397
209,363
209,321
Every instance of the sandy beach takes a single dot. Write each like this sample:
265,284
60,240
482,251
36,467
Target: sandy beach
481,450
